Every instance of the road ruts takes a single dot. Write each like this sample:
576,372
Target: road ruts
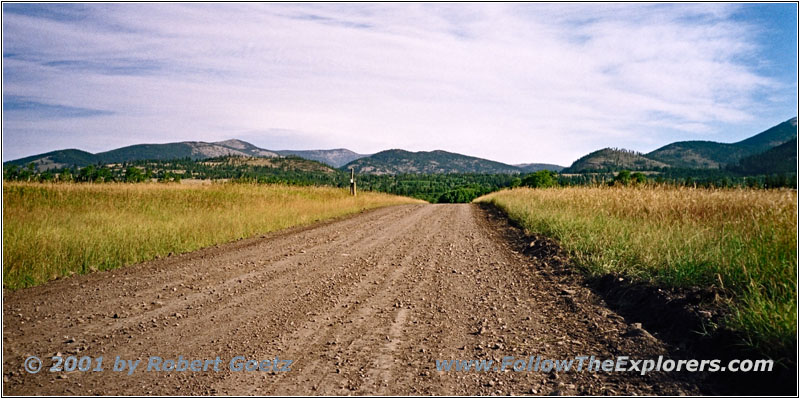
363,306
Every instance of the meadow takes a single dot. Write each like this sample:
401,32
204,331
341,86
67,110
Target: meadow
741,241
53,230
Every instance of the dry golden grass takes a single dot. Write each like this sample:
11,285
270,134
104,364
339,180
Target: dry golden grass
742,241
56,230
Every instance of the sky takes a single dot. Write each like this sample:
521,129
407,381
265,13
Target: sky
510,82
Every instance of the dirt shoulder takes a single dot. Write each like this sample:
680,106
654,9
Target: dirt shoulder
364,306
689,322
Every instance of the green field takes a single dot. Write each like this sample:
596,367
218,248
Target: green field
57,230
742,241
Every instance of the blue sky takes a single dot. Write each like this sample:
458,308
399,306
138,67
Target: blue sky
515,83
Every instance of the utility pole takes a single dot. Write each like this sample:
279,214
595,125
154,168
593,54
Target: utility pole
353,182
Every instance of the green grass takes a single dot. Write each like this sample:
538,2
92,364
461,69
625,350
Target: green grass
57,230
741,241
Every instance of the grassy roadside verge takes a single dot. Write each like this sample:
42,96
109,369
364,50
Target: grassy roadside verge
742,241
56,230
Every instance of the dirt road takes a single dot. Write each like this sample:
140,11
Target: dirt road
364,305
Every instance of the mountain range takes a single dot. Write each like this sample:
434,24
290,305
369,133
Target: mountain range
186,149
694,154
710,154
771,151
385,162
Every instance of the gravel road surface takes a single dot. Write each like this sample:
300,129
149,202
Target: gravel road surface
363,306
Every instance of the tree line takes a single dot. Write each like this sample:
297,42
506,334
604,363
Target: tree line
705,178
434,188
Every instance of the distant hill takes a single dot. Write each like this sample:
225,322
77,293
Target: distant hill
698,154
777,160
613,159
392,162
57,159
710,154
535,167
691,154
771,137
336,157
186,149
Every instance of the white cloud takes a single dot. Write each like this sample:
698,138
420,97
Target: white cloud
514,83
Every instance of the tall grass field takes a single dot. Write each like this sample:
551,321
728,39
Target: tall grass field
56,230
742,241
